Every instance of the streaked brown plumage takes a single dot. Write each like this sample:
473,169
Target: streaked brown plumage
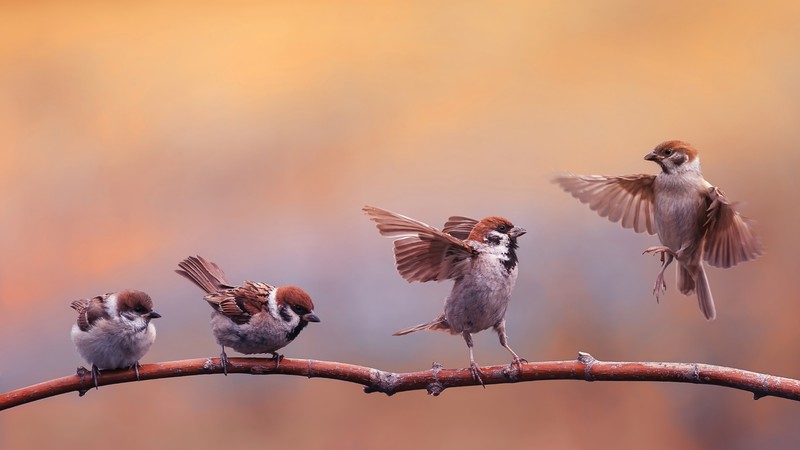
251,318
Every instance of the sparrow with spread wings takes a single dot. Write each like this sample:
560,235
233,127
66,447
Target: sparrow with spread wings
479,255
694,220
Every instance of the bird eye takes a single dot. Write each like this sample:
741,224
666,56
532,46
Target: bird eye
299,309
140,309
667,152
502,228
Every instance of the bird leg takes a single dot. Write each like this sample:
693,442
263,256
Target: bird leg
223,358
136,370
473,367
95,375
278,358
501,332
661,286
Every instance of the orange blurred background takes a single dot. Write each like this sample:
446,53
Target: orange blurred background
134,136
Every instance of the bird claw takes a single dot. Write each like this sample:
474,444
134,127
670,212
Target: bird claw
476,373
136,370
95,375
660,287
278,358
519,362
661,250
223,358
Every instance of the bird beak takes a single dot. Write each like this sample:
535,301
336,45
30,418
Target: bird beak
651,156
310,317
152,315
517,232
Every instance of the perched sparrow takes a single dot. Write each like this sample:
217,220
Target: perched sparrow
480,256
114,330
694,220
254,317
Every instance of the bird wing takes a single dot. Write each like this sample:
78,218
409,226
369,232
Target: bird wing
729,240
90,310
422,253
626,199
242,302
459,227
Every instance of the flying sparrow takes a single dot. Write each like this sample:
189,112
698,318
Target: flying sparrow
694,220
113,331
254,317
479,255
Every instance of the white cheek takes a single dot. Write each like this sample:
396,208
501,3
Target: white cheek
272,303
111,305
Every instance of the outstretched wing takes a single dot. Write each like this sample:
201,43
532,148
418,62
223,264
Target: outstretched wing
625,199
422,253
459,227
729,239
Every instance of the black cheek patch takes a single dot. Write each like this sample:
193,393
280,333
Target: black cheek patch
293,334
492,239
284,313
679,158
512,257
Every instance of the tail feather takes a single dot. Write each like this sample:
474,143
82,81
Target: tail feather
685,281
440,324
704,297
205,274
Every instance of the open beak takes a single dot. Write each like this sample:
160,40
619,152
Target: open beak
651,156
517,232
152,315
310,317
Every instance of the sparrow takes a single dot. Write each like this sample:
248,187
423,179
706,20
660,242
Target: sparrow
694,219
113,331
481,256
251,318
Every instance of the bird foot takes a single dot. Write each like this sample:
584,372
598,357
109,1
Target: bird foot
660,287
476,373
95,375
661,250
223,359
519,362
278,358
136,370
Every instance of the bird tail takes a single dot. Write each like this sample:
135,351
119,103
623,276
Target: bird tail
685,281
704,297
440,324
205,274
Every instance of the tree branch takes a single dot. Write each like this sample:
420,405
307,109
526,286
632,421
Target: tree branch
435,380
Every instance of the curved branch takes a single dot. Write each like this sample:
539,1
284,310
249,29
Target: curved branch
434,380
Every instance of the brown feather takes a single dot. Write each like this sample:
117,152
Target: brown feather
625,199
438,324
422,253
90,310
459,227
729,240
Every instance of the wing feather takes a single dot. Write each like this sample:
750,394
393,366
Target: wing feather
729,239
423,253
624,199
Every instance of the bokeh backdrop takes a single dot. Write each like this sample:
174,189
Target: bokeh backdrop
133,135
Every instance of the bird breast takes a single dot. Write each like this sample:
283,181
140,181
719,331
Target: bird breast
480,298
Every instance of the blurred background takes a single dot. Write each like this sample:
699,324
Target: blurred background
252,134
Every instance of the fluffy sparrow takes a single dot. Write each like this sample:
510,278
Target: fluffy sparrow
479,255
254,317
693,219
114,330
